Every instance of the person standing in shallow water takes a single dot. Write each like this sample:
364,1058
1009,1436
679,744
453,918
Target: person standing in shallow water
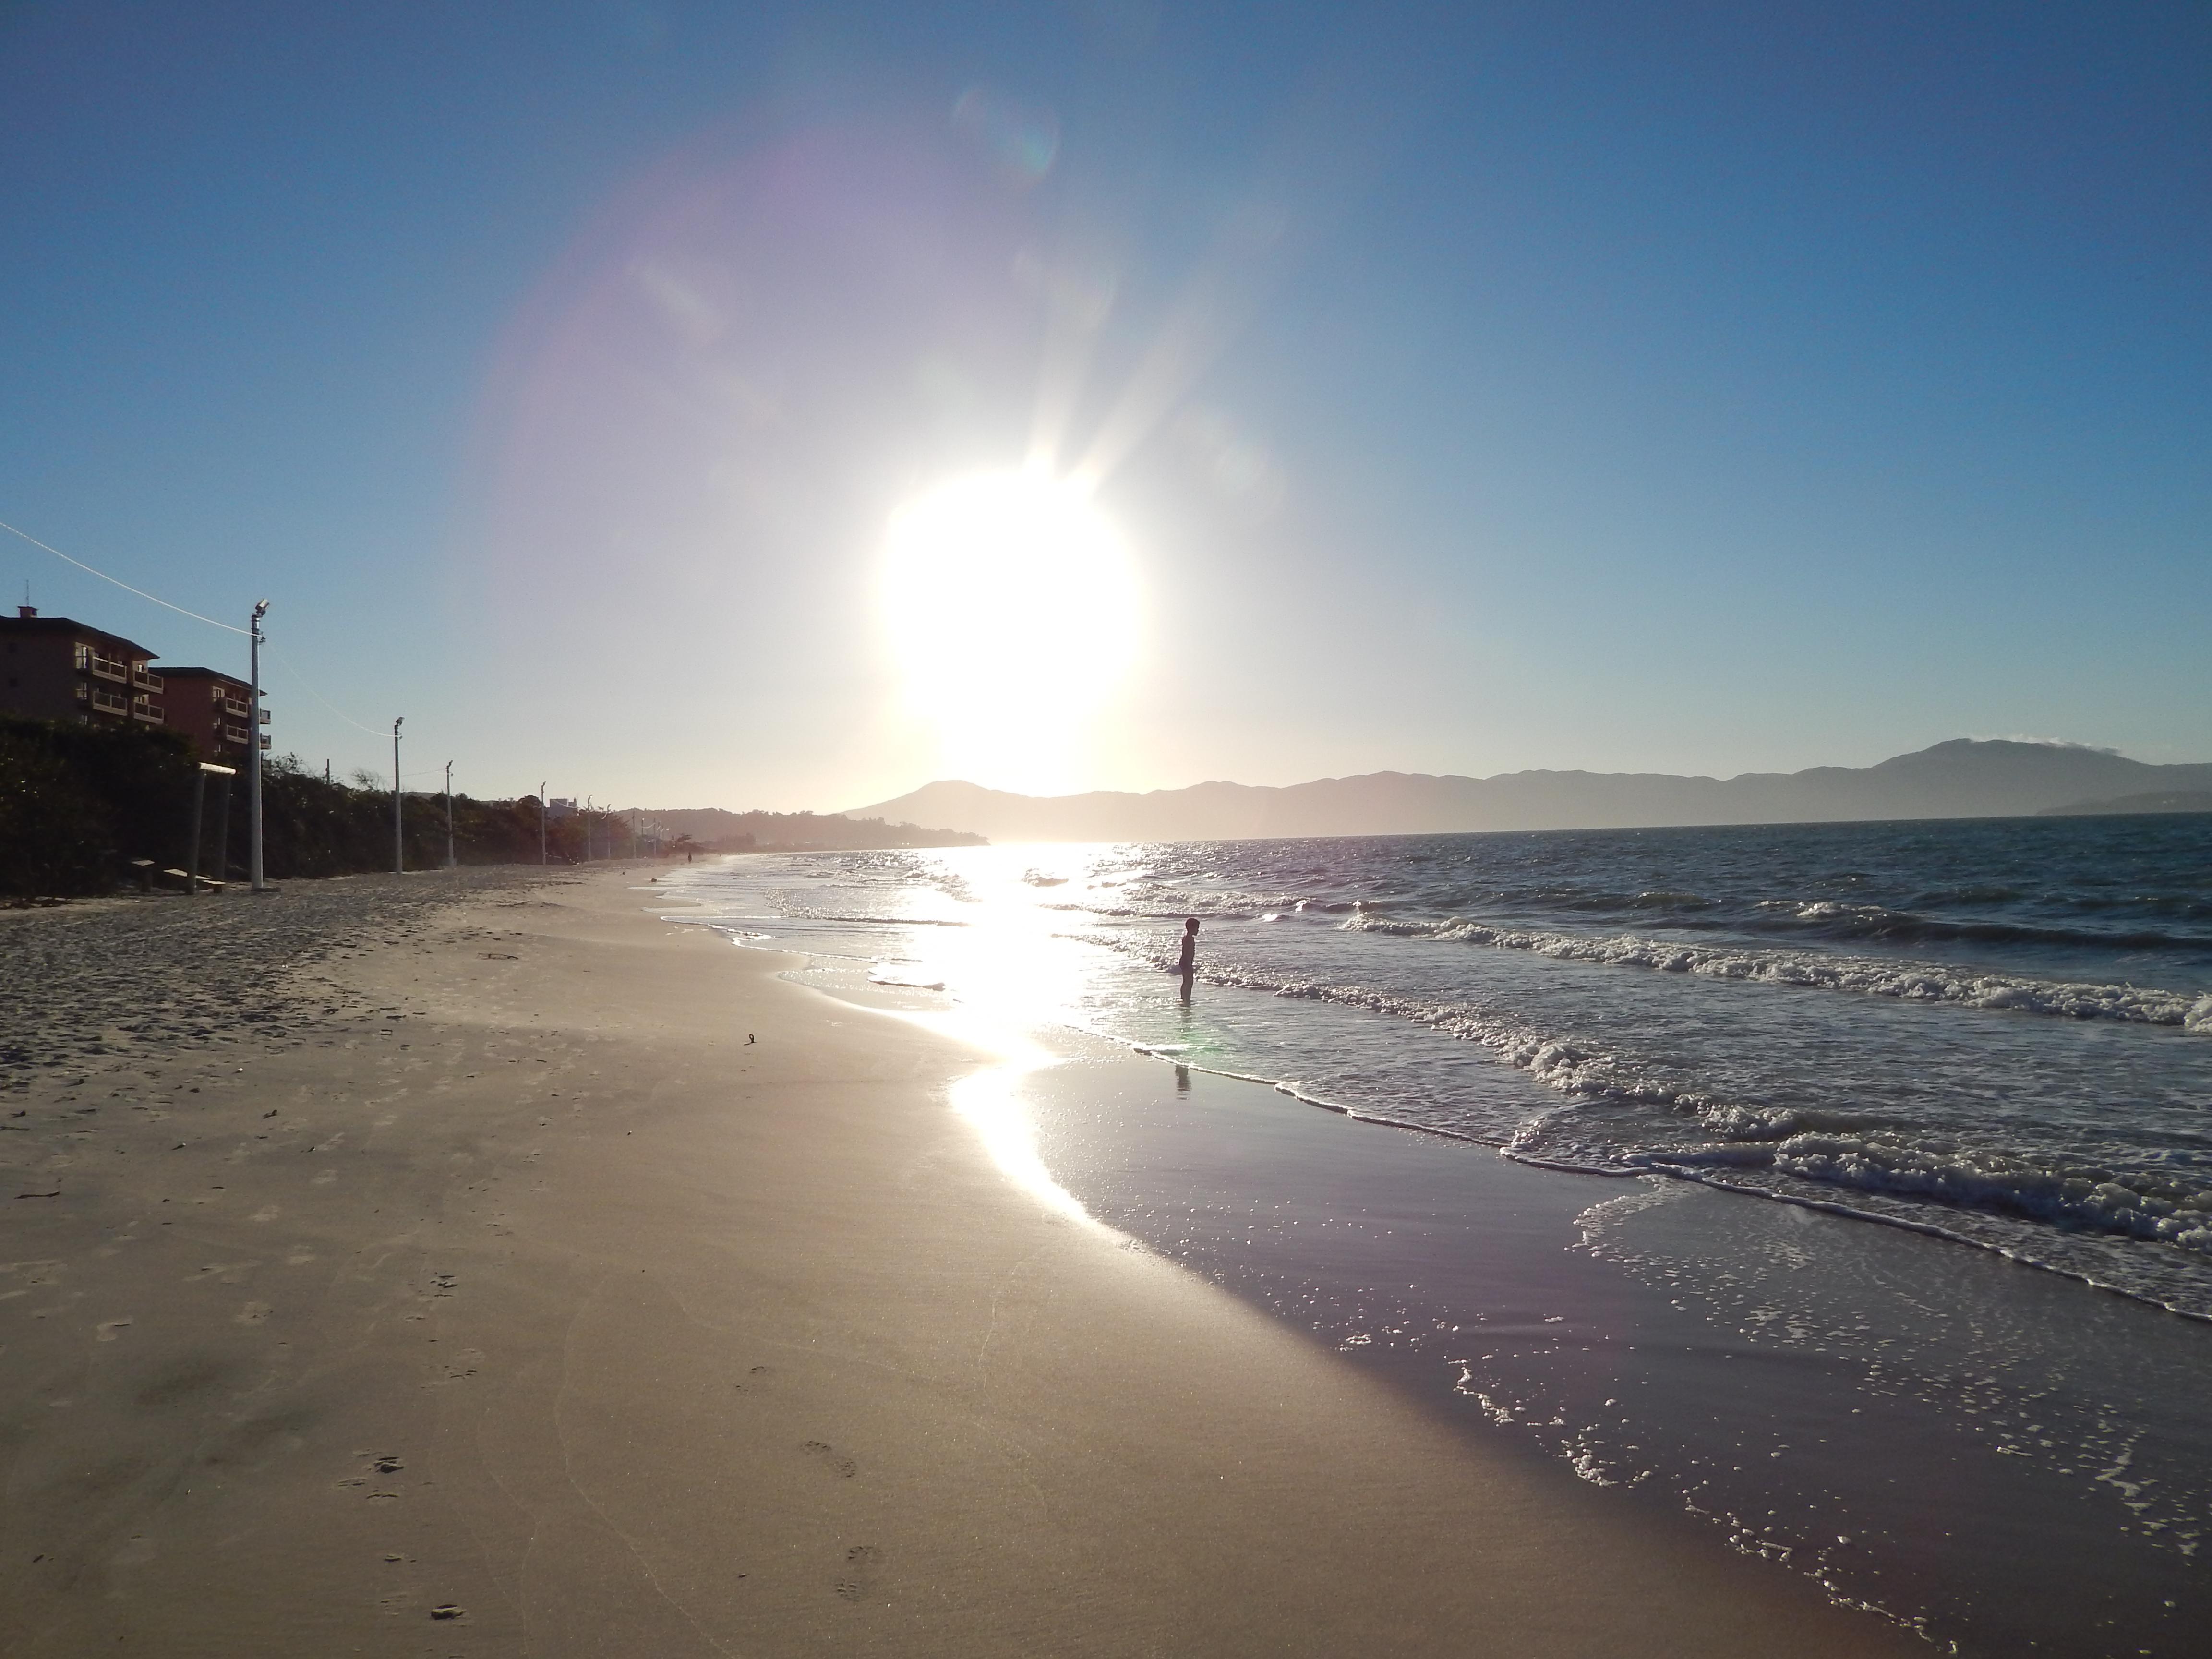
1187,967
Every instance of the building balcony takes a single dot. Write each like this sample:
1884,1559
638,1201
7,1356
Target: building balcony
146,679
143,709
110,702
237,711
109,668
240,735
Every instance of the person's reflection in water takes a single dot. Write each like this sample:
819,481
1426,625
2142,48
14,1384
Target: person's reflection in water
1188,966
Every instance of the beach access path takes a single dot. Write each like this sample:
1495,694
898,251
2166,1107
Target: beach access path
479,1264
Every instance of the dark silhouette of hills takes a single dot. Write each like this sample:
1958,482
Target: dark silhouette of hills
717,830
1963,778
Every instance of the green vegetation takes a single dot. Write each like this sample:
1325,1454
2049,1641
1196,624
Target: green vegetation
76,802
80,804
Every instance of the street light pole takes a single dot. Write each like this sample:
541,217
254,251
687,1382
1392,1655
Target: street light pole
450,860
541,824
398,845
253,751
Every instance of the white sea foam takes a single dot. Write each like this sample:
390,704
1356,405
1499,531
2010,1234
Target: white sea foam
1979,1177
1911,982
911,975
1829,1149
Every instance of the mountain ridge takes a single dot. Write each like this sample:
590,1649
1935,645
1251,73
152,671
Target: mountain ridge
1962,777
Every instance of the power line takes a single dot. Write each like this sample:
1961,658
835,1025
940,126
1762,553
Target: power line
119,582
292,673
300,680
296,677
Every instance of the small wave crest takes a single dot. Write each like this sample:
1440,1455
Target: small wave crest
1910,981
1838,919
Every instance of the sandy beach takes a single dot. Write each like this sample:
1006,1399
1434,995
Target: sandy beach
484,1265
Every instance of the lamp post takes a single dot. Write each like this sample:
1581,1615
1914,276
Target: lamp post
398,846
450,860
541,824
253,753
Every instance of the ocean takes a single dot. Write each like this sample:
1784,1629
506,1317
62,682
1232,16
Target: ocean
1806,1095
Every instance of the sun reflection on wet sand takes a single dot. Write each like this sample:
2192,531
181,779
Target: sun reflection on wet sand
991,1101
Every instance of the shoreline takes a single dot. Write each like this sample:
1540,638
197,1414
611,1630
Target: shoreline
1840,1208
553,1315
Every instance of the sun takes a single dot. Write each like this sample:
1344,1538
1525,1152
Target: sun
1011,604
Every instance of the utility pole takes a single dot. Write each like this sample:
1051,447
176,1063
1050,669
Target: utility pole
398,845
253,750
450,860
541,824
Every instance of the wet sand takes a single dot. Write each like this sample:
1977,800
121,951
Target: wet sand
467,1282
1690,1352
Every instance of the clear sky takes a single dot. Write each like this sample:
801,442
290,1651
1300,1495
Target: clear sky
1636,386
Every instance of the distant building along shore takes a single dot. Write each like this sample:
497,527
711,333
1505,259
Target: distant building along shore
54,668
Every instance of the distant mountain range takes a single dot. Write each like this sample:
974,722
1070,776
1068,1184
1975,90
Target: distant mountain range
717,830
1964,778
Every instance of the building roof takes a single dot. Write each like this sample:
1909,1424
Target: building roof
36,624
204,674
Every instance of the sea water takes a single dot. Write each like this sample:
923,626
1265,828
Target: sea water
1989,1034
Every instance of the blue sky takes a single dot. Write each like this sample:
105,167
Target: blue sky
1636,388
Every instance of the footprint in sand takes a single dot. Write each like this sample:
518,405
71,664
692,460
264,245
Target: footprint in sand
829,1457
861,1564
252,1314
108,1330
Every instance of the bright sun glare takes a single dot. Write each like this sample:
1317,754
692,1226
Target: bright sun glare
1013,605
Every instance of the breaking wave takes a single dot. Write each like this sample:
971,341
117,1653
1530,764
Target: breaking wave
1780,1150
1910,981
